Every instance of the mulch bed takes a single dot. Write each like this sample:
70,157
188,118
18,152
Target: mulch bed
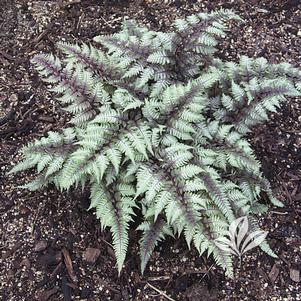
52,248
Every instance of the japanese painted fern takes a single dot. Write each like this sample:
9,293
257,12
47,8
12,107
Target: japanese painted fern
159,127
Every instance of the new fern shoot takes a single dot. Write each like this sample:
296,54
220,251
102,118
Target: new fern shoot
159,127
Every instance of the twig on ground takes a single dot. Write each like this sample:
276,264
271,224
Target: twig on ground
6,55
159,291
43,34
158,278
106,242
206,273
32,227
278,212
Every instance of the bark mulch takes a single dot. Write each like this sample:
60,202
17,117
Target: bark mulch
52,248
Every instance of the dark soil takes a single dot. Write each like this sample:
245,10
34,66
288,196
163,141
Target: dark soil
45,234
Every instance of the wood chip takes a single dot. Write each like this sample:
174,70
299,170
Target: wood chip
295,275
68,263
40,246
48,119
91,255
274,273
56,270
6,55
25,263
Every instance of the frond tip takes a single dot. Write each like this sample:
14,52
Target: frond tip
153,232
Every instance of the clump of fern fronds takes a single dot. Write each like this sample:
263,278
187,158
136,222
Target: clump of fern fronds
159,125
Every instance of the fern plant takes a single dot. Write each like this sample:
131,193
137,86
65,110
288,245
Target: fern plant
158,129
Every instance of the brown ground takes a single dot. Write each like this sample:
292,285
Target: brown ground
45,232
